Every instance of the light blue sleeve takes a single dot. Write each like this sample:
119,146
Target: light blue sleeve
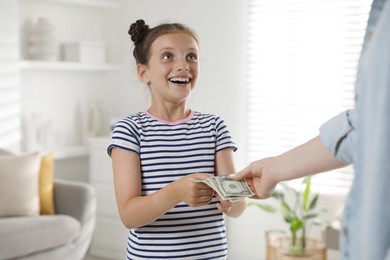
338,134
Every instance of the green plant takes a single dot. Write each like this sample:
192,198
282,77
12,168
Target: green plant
299,215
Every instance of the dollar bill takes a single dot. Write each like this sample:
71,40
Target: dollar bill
228,189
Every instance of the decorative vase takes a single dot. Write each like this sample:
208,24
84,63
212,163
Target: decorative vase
279,248
42,41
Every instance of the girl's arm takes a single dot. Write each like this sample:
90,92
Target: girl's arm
136,210
224,164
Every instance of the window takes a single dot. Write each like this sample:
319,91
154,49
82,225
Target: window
10,127
302,58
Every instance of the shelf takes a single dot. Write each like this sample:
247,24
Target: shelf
90,3
66,66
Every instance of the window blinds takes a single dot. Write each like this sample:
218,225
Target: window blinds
302,58
10,126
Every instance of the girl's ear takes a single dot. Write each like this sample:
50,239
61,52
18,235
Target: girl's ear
143,74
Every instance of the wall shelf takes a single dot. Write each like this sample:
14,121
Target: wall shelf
90,3
72,20
66,66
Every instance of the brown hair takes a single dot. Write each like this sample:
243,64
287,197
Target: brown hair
143,37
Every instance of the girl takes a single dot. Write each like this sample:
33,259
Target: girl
156,155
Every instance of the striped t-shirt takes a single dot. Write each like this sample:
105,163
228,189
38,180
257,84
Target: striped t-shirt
169,151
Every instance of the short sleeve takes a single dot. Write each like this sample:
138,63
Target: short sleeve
223,137
338,134
125,135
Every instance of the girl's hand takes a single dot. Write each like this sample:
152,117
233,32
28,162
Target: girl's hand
195,194
224,205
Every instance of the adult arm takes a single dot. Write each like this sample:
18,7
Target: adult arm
307,159
333,148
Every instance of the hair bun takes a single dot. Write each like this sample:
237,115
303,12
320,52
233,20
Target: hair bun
137,30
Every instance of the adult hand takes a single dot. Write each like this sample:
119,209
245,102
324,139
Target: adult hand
261,177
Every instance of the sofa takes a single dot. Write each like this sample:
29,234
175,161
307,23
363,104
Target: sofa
64,235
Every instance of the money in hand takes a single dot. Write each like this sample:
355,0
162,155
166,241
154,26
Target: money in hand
228,189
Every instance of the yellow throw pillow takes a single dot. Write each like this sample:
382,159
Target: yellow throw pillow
46,185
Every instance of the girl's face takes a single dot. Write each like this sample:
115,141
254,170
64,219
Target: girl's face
172,70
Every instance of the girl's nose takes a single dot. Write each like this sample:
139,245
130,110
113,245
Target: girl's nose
183,66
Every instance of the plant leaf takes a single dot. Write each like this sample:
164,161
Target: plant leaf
289,188
288,214
322,223
265,207
296,225
306,193
278,195
313,213
313,202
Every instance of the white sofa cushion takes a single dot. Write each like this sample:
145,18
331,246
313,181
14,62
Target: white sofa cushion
19,176
21,236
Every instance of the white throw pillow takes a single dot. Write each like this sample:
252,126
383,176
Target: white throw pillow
19,180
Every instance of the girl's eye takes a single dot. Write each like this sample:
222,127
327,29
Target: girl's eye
167,56
192,57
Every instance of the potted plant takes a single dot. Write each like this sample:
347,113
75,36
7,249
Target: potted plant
300,215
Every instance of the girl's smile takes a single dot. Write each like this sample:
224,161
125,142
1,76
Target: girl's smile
180,80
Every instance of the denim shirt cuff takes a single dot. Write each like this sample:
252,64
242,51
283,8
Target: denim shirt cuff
338,135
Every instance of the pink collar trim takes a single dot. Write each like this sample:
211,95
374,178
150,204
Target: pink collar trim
171,123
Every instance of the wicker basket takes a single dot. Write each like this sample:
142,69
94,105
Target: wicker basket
278,248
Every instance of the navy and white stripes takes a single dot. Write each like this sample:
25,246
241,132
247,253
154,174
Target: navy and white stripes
169,152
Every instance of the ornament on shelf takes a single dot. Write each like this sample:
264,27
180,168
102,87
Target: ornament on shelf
42,41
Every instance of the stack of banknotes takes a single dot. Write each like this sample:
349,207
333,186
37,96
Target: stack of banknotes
228,189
